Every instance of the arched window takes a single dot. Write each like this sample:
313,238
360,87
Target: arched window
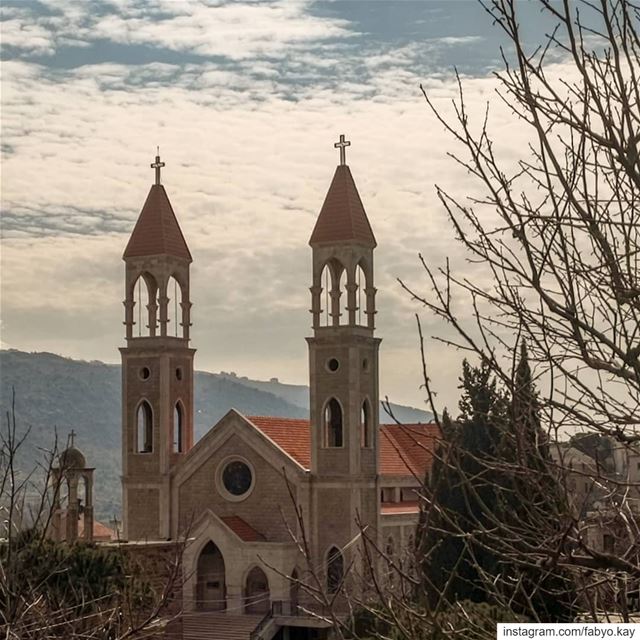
145,297
144,421
257,592
361,296
365,425
333,423
178,428
335,569
174,308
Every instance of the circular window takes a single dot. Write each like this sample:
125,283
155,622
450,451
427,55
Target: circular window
236,479
144,373
179,373
333,364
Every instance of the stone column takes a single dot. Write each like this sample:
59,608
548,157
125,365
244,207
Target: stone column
152,325
164,318
371,306
186,319
352,305
316,305
128,317
335,306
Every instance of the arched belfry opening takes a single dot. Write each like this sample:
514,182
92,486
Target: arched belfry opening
330,295
144,295
257,595
211,590
361,296
333,424
326,283
174,301
340,314
144,428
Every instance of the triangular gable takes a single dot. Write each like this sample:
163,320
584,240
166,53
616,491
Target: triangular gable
233,423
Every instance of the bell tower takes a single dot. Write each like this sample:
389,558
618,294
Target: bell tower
343,366
157,365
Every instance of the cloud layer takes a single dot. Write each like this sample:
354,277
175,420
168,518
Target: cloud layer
245,101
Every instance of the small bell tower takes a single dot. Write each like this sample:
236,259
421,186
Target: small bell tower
74,479
343,366
157,365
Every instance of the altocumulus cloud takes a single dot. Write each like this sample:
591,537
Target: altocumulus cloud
245,100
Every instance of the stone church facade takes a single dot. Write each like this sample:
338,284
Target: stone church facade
246,490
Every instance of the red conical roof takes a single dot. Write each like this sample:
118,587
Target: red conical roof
342,217
157,231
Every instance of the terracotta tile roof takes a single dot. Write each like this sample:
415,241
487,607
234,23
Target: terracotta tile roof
242,529
395,508
294,436
405,450
100,531
408,449
342,217
157,230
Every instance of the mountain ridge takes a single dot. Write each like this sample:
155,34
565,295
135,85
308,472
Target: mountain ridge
54,393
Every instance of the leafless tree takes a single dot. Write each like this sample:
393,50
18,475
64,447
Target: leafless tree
554,244
53,590
558,269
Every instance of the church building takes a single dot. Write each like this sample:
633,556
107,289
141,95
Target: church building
253,486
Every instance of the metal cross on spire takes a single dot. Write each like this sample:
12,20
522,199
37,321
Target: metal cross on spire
72,437
342,144
157,165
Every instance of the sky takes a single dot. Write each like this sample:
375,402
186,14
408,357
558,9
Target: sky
245,100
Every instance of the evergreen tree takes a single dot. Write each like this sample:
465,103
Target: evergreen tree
531,443
493,495
533,505
462,492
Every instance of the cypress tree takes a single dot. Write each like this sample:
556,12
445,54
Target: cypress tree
462,492
533,505
494,498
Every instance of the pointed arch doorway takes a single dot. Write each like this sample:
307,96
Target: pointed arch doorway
211,590
257,598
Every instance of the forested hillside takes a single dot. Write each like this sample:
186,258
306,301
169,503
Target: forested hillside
56,394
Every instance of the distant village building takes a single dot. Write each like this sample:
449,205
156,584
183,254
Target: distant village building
236,491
